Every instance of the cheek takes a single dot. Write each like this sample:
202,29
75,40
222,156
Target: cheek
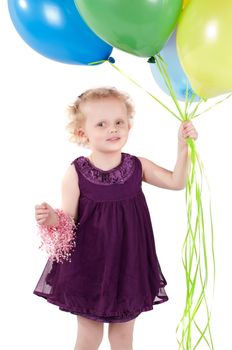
125,129
98,135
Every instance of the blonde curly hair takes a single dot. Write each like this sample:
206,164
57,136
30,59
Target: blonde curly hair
77,118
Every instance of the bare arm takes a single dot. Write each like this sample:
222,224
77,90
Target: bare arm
164,178
70,193
182,167
176,179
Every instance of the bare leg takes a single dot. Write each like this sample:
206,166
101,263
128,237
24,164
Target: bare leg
121,335
89,335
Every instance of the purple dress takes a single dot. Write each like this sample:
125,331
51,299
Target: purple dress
114,273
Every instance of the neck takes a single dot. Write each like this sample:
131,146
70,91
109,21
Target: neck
105,161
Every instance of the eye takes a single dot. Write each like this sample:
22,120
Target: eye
120,122
101,124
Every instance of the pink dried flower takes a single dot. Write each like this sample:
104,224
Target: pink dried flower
59,241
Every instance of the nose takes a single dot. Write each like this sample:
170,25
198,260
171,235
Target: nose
113,130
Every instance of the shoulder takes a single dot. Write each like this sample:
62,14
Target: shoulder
141,160
70,174
78,160
148,167
144,162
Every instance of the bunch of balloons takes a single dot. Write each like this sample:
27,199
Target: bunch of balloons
198,57
191,35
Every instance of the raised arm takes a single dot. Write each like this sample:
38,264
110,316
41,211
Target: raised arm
176,179
161,177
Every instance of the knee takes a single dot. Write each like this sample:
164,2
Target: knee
89,342
90,334
120,338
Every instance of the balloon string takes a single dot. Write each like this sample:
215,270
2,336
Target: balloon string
149,93
137,84
163,71
218,102
187,101
195,231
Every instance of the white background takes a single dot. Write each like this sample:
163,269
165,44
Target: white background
35,152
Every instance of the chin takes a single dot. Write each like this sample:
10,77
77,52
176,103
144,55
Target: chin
112,149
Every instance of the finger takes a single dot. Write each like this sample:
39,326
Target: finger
41,221
189,127
44,205
187,123
192,134
38,207
41,216
42,210
188,133
193,131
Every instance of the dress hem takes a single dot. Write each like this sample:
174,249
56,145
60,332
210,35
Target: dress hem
118,316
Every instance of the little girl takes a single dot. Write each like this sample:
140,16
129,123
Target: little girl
112,273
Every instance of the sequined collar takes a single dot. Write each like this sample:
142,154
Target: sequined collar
117,175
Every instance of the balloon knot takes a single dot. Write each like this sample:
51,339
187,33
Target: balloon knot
151,60
111,60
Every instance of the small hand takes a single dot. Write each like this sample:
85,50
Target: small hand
186,130
45,214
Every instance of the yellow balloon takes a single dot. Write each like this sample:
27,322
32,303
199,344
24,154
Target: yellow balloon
204,47
185,3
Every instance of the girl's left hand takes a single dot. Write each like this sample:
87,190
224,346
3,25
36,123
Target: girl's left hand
186,130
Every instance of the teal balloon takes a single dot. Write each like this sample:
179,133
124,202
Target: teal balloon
175,72
56,30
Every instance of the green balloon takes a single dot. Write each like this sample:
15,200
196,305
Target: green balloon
140,27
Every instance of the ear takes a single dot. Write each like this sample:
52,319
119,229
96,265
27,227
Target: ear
80,132
130,121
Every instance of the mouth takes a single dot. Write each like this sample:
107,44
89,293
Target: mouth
113,139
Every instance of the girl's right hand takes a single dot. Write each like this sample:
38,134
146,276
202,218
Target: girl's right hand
45,215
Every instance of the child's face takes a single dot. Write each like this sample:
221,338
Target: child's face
106,124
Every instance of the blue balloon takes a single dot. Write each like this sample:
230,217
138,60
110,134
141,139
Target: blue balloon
55,29
175,72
